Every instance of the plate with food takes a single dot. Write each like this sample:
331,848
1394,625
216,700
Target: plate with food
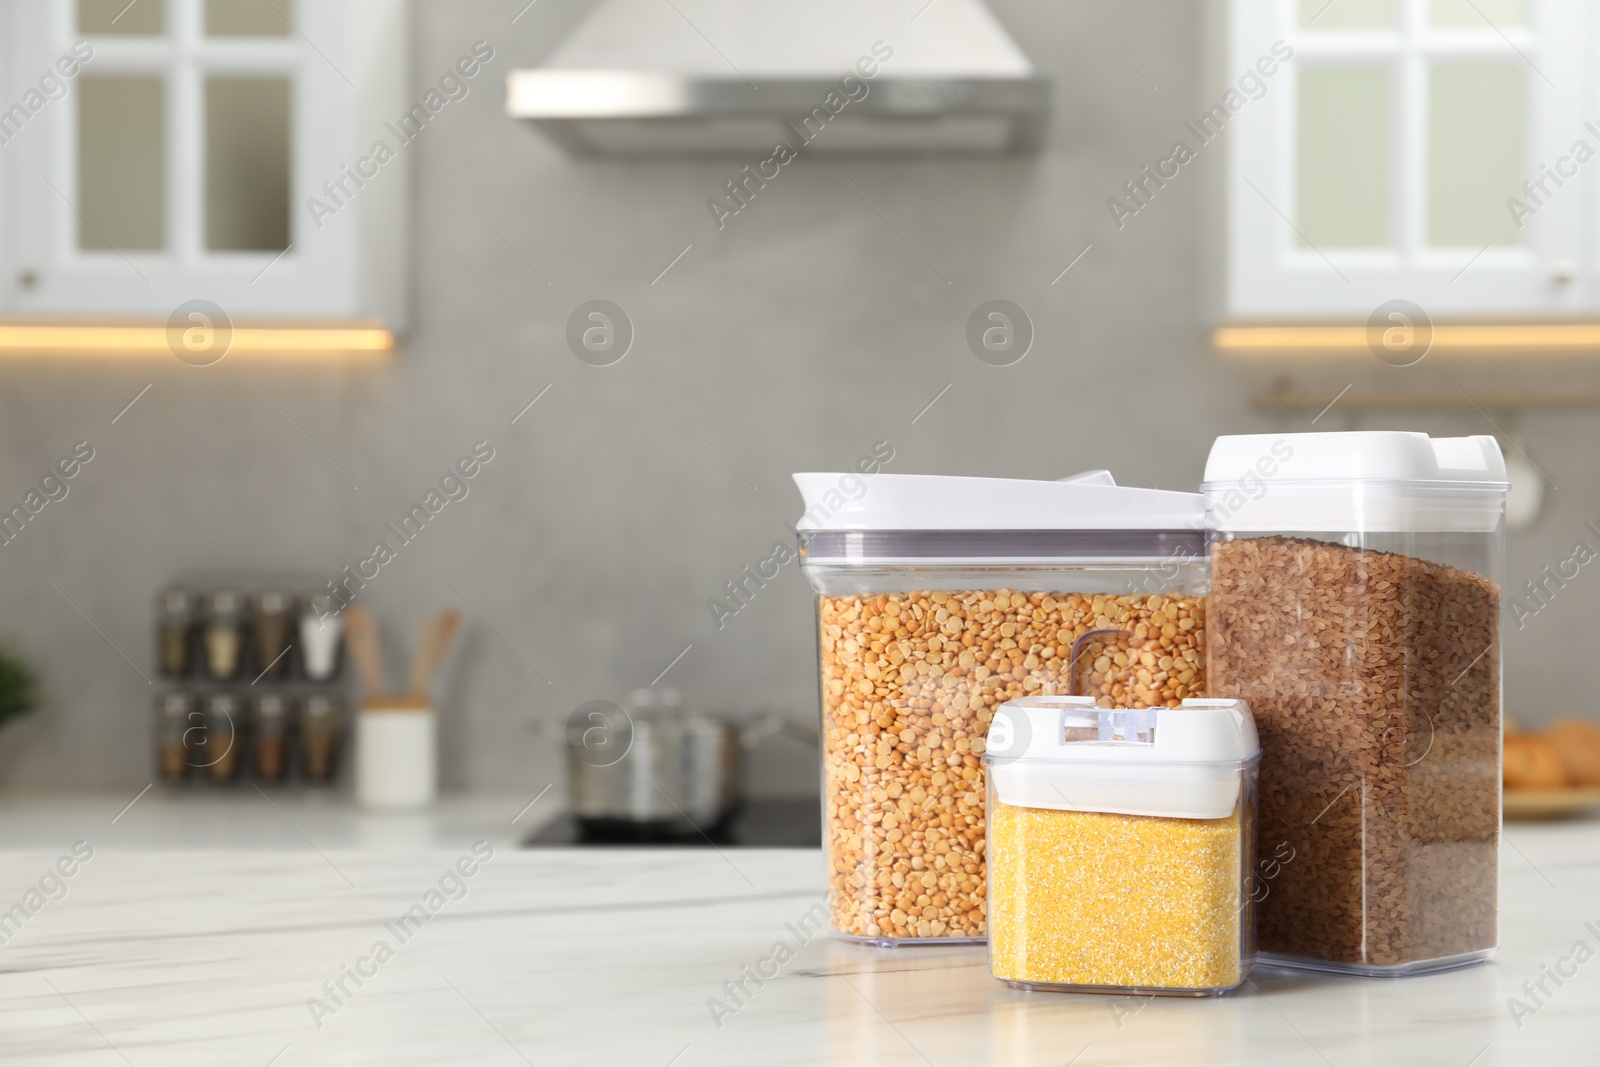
1554,773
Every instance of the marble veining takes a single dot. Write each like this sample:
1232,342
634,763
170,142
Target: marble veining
665,958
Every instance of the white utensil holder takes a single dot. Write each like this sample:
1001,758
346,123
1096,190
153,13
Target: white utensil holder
397,755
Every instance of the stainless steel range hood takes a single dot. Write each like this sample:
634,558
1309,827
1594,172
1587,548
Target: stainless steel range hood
642,77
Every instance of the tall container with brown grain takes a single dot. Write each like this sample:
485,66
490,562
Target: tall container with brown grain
1355,604
938,600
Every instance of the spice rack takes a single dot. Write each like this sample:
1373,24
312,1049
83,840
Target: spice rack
252,666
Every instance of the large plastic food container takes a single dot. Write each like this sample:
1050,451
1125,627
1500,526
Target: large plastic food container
1355,603
938,600
1121,846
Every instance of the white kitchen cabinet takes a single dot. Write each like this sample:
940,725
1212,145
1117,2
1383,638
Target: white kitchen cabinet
162,151
1387,159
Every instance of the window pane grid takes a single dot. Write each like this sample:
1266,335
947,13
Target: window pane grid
1424,53
173,46
155,27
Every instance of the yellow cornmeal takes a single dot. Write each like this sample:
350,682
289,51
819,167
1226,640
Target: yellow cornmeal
1095,899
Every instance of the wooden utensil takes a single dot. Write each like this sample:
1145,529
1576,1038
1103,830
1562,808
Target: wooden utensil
432,649
361,638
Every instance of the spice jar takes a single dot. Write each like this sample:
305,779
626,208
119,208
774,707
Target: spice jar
176,716
274,632
321,627
219,747
269,738
939,599
175,610
1120,846
321,736
1355,603
224,634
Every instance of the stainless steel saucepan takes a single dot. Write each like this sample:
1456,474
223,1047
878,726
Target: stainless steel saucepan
653,763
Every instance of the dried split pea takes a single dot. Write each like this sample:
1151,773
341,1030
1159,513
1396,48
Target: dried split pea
910,682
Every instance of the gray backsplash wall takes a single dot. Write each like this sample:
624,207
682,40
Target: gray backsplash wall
628,495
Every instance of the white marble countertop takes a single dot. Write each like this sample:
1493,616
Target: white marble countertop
599,957
250,818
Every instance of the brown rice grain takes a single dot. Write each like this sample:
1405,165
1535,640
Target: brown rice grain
1375,683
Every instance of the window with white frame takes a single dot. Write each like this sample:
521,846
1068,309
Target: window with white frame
155,152
1438,151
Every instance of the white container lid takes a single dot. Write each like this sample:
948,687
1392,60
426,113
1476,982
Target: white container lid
887,519
1369,480
1067,754
1088,501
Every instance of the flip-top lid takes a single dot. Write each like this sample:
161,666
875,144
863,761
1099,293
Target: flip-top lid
1066,753
1373,480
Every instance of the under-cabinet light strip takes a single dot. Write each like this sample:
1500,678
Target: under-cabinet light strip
1457,337
1305,399
18,339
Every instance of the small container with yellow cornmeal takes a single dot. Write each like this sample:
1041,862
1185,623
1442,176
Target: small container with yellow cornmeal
1119,845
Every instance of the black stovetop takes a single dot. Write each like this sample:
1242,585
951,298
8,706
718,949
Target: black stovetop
760,823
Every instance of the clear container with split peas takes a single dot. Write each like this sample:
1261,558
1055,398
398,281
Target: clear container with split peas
1121,846
1356,604
938,600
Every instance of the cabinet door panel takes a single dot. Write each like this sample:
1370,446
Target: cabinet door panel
1344,126
1476,135
121,186
1389,156
245,18
121,18
179,164
1346,14
1475,14
248,153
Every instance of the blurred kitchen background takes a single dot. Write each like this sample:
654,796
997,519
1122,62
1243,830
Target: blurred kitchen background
828,315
